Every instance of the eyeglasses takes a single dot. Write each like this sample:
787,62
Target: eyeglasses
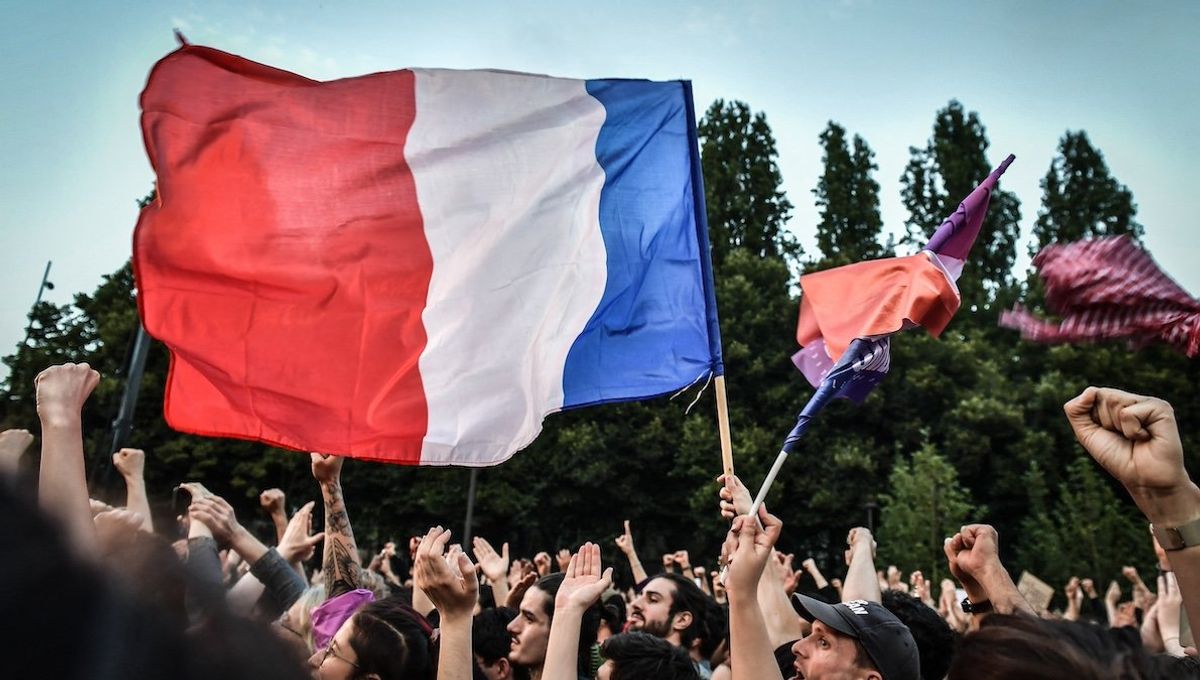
331,650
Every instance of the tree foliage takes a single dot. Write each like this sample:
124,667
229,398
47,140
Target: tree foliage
925,504
1081,199
747,208
1088,532
942,173
848,199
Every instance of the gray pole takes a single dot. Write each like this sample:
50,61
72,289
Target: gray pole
38,301
466,540
122,425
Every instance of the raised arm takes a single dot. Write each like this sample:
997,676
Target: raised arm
13,444
62,487
583,584
452,587
273,503
341,563
1136,440
974,558
749,641
861,581
131,463
494,566
625,545
271,567
783,624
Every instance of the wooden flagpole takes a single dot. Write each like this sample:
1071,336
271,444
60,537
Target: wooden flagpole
723,426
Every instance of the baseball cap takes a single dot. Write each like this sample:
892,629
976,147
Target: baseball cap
887,640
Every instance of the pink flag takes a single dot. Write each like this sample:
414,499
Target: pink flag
1105,289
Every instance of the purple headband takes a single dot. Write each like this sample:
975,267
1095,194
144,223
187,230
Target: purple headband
332,613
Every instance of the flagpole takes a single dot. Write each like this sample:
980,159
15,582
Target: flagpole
766,485
723,427
706,269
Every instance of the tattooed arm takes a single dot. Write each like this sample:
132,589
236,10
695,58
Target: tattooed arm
341,561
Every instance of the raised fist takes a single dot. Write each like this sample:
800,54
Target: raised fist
271,500
130,463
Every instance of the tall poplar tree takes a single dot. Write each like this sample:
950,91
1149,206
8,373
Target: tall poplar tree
1080,197
848,198
939,176
746,204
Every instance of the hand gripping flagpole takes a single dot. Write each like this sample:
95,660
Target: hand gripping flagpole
861,367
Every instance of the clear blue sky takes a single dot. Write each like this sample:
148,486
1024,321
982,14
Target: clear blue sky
1128,73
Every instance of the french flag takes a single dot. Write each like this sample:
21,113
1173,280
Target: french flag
418,266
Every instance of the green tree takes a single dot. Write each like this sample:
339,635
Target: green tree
848,198
1080,197
1088,532
924,505
938,177
746,206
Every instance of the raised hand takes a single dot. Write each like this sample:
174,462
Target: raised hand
542,562
735,497
1113,594
681,558
749,548
1089,587
117,527
326,468
518,588
272,501
625,541
860,538
972,554
564,558
13,444
1166,612
448,579
494,565
196,489
583,582
216,514
1136,440
920,588
62,391
131,463
298,542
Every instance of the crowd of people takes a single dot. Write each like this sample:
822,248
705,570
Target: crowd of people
96,591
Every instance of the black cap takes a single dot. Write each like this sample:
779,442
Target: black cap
887,640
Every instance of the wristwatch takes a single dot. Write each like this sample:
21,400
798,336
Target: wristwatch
970,607
1178,538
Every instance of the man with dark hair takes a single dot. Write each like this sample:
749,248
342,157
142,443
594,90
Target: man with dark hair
530,628
882,646
491,642
640,656
935,641
672,607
